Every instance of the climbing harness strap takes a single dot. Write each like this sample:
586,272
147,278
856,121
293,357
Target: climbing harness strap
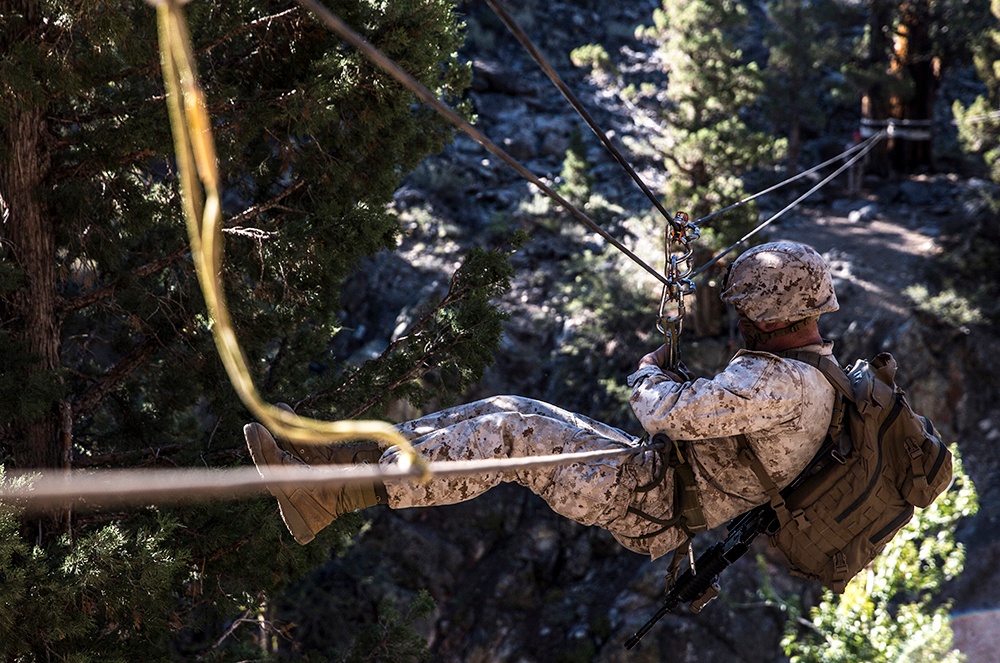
687,515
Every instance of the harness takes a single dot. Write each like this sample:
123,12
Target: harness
688,515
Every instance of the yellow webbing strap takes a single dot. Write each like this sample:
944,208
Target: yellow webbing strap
196,160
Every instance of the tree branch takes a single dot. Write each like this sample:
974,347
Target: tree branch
234,227
260,208
94,296
114,378
453,296
119,457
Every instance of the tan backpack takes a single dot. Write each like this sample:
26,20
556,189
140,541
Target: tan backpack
879,461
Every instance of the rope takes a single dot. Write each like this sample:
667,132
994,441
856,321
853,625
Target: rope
198,174
866,147
336,25
122,488
196,162
544,64
195,153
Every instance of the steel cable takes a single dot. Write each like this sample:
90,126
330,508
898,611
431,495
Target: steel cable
867,146
544,64
335,24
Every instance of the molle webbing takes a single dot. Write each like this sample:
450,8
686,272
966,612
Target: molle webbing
880,461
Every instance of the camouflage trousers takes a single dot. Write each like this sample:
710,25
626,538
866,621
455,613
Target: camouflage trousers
593,492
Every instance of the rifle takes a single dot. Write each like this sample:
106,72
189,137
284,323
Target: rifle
699,584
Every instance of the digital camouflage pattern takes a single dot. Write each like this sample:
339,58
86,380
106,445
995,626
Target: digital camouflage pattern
782,406
780,282
596,492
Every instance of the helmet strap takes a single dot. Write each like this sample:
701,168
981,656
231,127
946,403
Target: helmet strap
755,337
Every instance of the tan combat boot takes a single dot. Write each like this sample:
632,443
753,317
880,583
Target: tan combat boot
306,510
333,453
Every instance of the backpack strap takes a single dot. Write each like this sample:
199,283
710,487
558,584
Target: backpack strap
828,367
838,444
748,457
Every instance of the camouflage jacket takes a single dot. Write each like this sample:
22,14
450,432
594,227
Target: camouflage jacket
781,405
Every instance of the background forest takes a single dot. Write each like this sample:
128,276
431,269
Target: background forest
379,266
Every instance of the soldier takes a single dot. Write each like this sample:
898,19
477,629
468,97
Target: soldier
782,406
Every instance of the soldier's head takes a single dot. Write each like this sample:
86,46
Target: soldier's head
779,289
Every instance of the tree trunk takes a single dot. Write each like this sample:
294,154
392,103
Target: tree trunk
794,139
43,441
911,149
31,238
875,103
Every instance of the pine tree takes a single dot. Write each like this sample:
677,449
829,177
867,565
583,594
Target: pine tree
801,81
971,257
707,142
107,357
979,122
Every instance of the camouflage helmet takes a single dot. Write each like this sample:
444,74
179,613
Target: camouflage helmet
780,282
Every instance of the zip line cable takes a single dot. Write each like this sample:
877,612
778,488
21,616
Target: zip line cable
805,173
544,64
499,9
135,487
867,145
336,25
201,202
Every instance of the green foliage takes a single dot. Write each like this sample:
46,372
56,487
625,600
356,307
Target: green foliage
595,57
576,182
893,612
948,305
967,290
603,310
107,596
393,637
312,146
26,393
706,141
448,347
978,123
979,131
801,80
